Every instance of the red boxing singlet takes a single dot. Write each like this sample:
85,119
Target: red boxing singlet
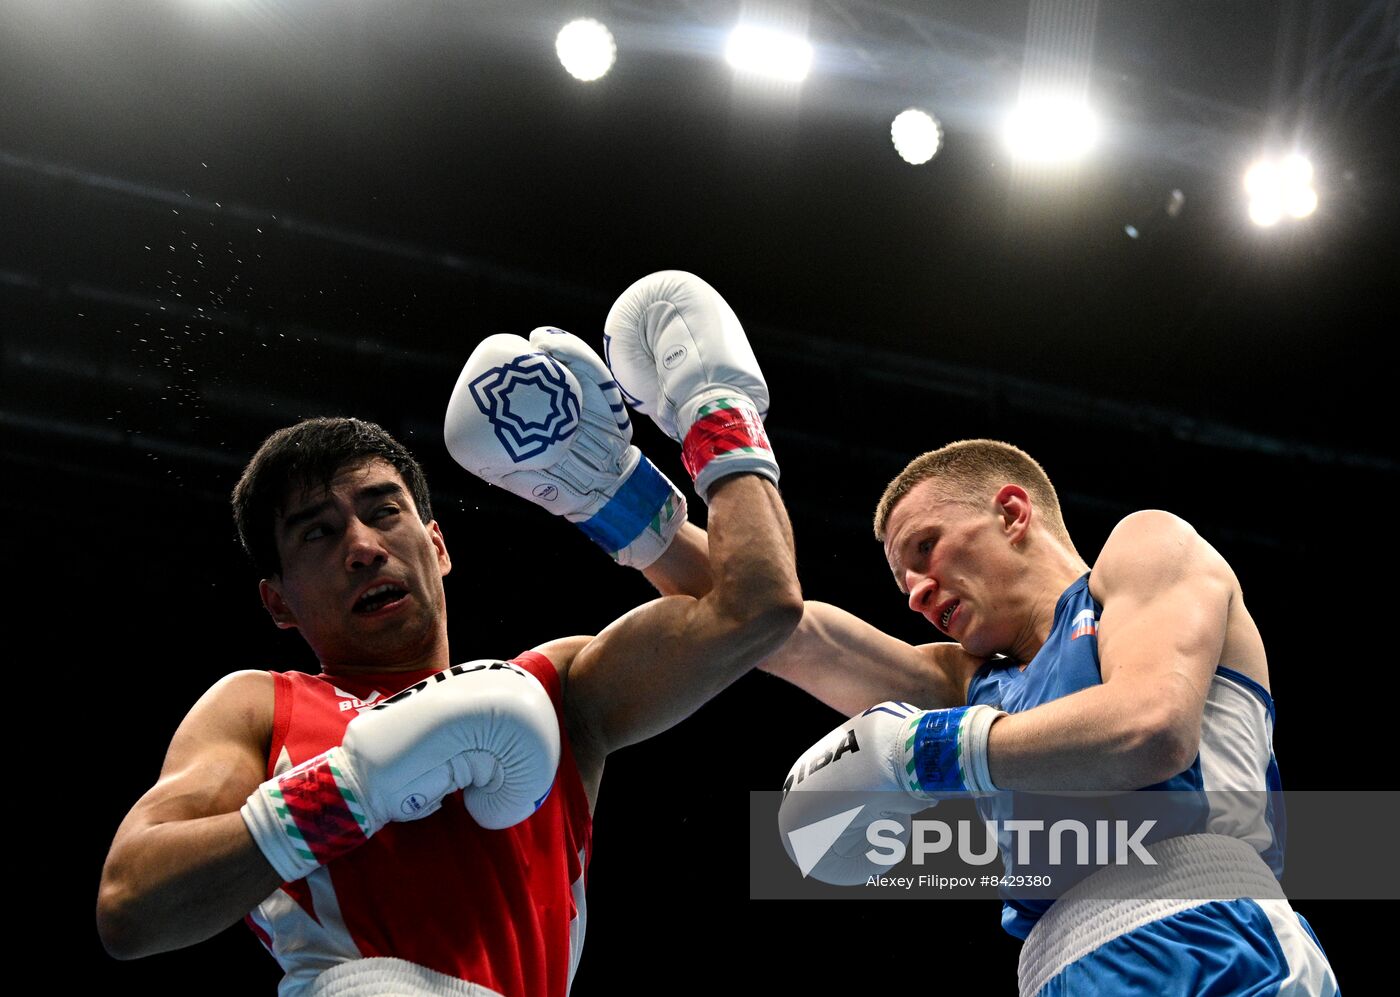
502,909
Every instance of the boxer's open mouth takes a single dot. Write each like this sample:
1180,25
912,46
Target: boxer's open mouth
947,616
379,597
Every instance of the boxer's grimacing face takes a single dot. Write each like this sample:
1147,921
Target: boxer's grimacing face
956,563
361,573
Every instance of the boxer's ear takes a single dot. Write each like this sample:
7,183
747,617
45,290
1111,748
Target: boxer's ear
1014,510
440,545
276,606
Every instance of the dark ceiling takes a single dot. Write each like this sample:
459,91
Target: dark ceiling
217,216
449,130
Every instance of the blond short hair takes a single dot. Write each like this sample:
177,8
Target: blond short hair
974,469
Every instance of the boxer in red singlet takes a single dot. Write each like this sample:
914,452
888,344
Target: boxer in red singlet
402,824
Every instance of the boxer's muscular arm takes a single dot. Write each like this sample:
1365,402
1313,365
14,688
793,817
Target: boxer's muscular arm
1166,597
684,569
835,656
182,865
850,665
662,661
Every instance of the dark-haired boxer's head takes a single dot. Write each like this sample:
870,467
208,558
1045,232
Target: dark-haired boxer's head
336,513
308,455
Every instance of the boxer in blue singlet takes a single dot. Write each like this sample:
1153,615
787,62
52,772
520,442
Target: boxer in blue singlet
1146,672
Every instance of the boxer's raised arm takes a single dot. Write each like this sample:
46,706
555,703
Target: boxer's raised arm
183,865
662,661
679,354
833,655
684,568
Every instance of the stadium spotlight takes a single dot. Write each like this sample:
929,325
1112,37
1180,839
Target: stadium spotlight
1050,129
1280,187
765,52
586,49
916,135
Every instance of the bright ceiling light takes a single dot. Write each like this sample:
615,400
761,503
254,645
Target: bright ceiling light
1265,211
916,136
770,53
1261,179
1300,202
1050,130
1296,170
586,49
1280,187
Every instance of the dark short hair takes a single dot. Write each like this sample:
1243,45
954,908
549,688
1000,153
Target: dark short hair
309,455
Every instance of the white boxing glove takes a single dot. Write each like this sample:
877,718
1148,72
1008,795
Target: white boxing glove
488,727
545,420
886,764
854,768
680,355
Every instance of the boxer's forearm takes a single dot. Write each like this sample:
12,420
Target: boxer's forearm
850,665
832,655
678,353
173,884
752,558
693,648
684,569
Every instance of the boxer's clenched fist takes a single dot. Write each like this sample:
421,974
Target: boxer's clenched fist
680,355
544,419
487,727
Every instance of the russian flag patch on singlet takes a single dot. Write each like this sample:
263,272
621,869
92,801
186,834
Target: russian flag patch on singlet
1086,624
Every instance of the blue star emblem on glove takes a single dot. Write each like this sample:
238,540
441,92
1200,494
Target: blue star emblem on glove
529,404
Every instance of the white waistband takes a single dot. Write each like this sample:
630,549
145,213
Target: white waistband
388,977
1191,870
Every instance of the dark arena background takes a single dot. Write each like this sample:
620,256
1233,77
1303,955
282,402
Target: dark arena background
219,216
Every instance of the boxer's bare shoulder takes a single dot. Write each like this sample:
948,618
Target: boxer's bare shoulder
953,663
1154,561
216,758
561,653
245,697
219,752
